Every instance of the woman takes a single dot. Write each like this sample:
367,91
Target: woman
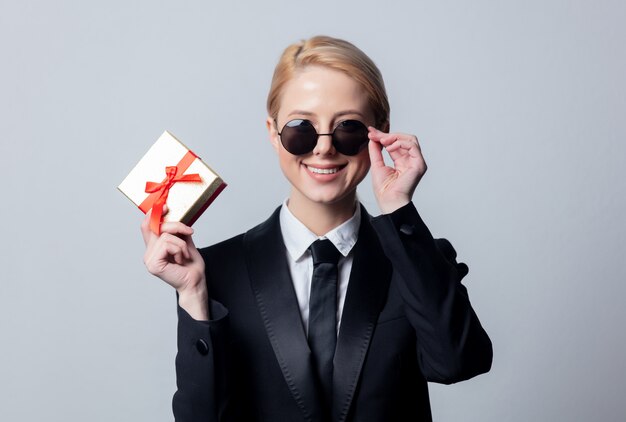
270,330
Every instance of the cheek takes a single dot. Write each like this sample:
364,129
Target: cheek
287,161
363,160
361,165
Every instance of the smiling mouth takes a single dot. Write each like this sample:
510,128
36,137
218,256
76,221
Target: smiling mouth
331,170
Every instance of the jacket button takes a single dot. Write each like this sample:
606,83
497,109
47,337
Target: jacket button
407,229
202,347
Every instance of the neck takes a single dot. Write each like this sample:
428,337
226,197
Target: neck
318,217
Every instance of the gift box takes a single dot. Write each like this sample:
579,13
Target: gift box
169,173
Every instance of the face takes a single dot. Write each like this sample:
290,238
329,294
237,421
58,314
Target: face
326,98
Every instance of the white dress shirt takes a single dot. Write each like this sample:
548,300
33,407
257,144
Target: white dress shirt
297,238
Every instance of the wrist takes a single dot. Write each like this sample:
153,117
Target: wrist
389,206
195,300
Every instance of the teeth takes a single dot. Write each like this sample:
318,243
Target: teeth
323,171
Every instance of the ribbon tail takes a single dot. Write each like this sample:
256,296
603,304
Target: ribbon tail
195,177
155,217
152,187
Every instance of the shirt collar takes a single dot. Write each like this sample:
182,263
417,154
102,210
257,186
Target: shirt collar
298,237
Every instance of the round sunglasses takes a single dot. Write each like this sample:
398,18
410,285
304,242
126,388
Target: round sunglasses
300,137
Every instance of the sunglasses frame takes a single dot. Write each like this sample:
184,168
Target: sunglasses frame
332,137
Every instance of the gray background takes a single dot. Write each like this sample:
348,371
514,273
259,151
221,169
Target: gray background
519,107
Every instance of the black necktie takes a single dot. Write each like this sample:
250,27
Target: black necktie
323,313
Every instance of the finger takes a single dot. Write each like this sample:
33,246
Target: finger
376,154
176,228
174,252
186,249
181,244
375,134
191,246
404,156
408,145
406,150
189,241
173,248
166,209
147,234
393,137
166,245
162,253
173,227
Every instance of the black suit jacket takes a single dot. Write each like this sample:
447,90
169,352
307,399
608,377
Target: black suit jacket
407,320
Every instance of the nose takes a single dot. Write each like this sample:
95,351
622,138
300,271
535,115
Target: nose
324,145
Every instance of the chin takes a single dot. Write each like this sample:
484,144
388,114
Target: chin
329,197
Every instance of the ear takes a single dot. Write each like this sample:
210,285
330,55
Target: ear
272,132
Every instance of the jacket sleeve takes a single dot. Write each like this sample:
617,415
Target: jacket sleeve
451,343
199,362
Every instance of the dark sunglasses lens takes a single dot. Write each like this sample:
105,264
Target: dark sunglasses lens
350,137
298,137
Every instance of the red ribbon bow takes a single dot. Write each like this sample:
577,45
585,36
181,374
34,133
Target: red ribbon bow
159,191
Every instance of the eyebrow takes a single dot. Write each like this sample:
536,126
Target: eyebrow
335,116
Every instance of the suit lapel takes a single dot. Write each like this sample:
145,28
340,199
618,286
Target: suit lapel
365,298
275,297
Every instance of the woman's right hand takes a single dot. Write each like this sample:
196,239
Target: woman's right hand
173,257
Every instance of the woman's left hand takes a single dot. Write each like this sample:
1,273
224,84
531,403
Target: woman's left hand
394,186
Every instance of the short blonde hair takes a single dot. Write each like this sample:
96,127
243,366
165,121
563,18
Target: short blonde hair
335,54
